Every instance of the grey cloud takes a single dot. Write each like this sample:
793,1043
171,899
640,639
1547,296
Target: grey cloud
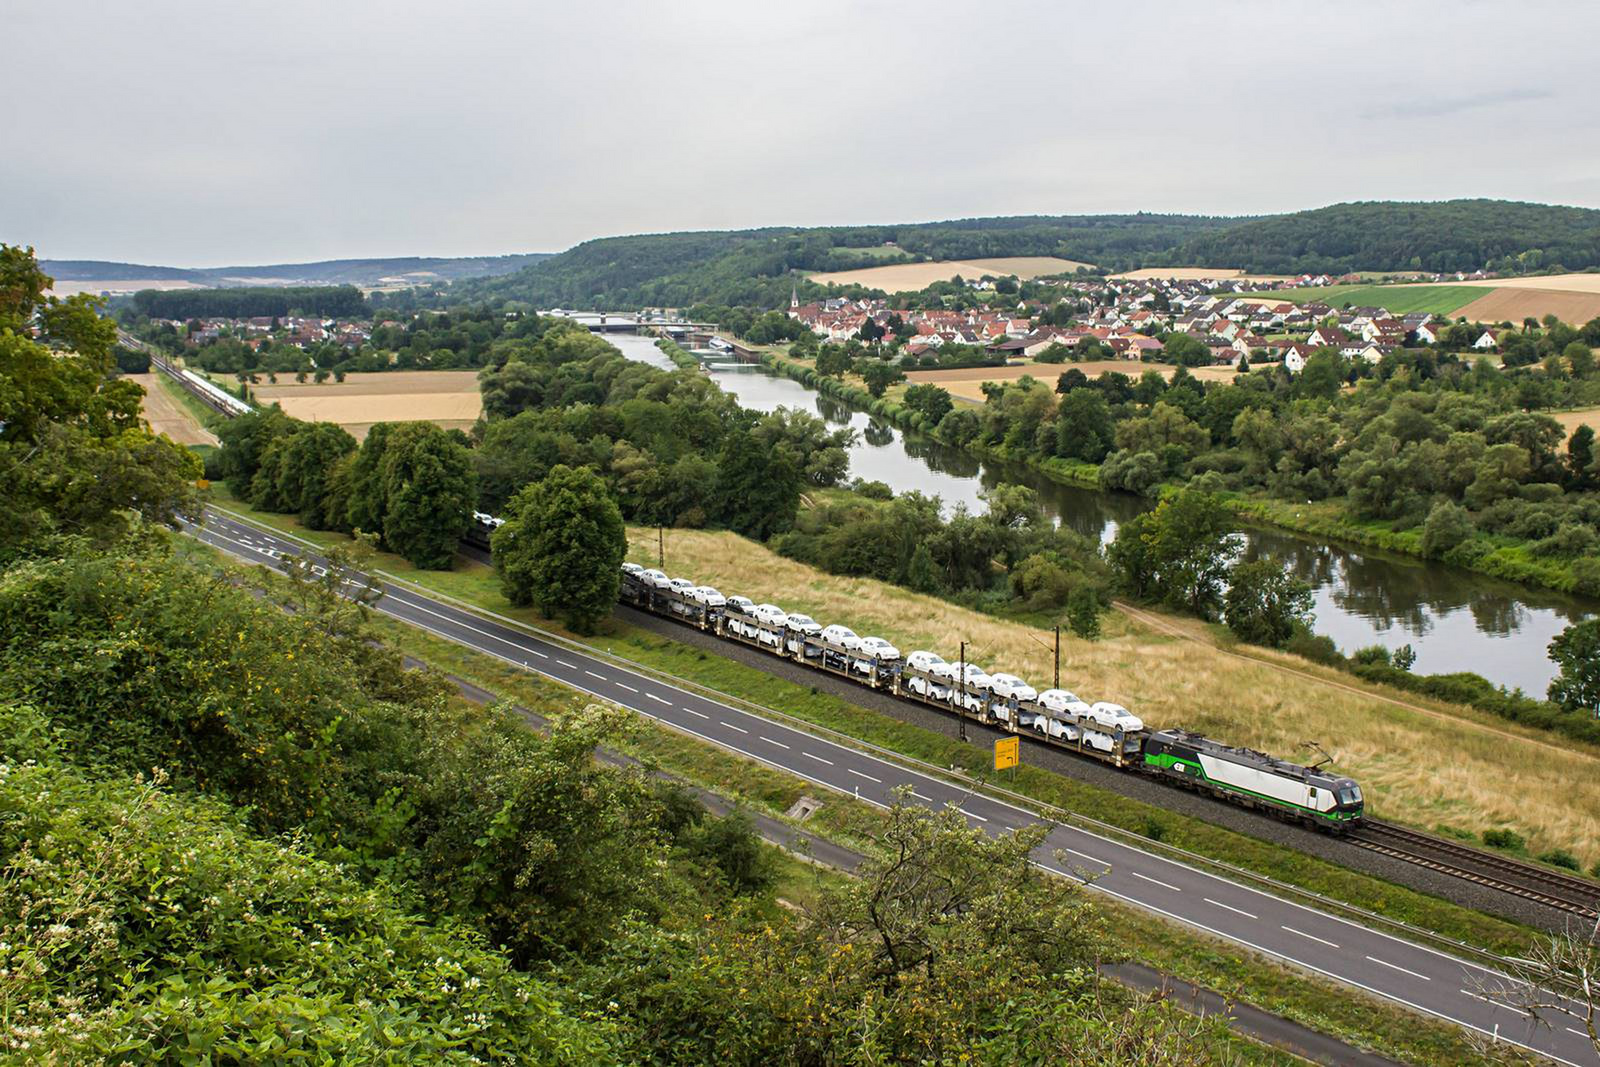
196,133
1440,106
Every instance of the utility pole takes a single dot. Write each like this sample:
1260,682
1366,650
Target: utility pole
961,693
1058,657
661,549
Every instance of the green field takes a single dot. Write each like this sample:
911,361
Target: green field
1400,299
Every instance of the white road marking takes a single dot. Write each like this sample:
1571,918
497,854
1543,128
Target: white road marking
658,700
730,726
535,652
1085,855
868,777
770,741
1313,937
919,796
1155,881
691,711
969,814
1580,1033
594,675
1230,907
1403,970
629,688
564,663
819,759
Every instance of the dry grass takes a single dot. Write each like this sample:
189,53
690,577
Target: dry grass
449,398
1422,764
165,415
1200,274
910,277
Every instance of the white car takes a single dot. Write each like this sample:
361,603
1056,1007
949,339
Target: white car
632,568
1114,717
772,619
930,663
685,590
1064,710
873,651
976,694
798,628
654,578
742,604
708,597
1010,687
841,635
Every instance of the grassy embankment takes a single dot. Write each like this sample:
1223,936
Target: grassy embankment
1164,678
1323,1005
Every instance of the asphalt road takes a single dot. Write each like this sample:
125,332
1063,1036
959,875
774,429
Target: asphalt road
1415,976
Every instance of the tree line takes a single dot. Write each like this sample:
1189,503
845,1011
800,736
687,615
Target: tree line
326,301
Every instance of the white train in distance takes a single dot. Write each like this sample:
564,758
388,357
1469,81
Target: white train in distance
1100,730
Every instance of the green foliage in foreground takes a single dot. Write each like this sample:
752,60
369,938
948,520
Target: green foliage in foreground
139,924
306,793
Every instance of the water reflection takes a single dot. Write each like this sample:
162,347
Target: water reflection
1454,620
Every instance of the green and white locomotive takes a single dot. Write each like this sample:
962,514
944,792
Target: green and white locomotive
1254,779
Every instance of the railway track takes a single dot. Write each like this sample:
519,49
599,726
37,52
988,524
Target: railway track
1553,889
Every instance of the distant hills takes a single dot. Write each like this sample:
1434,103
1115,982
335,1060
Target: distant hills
363,272
760,266
1443,236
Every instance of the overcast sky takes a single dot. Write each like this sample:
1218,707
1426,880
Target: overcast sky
204,133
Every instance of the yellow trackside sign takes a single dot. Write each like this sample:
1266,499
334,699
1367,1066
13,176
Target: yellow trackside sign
1007,752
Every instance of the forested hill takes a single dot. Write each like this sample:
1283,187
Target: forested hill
324,272
759,267
754,266
1448,235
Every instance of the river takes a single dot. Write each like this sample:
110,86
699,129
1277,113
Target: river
1455,620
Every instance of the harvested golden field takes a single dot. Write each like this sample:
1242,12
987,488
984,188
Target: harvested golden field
447,397
165,415
1199,274
910,277
1571,420
1517,303
1567,283
1420,763
967,382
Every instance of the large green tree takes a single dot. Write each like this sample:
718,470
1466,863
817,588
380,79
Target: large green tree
1264,603
757,489
1177,553
561,547
75,456
1576,650
429,490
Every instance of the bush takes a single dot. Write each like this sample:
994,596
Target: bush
1319,648
1560,857
1509,840
1448,526
873,490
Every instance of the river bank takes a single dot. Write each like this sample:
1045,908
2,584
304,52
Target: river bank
1494,557
1456,621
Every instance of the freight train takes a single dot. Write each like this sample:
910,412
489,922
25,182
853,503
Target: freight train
1102,731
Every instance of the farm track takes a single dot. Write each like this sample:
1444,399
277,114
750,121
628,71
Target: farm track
1550,888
